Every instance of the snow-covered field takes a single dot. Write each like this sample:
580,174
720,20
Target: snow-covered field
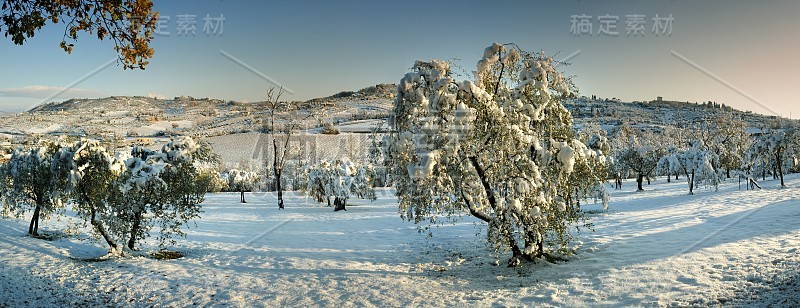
661,247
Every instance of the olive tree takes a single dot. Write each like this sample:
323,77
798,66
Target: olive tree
91,172
242,181
340,179
137,191
500,147
775,149
185,182
28,183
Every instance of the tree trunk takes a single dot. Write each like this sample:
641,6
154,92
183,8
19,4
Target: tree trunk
728,172
277,170
278,187
691,184
780,169
137,224
753,184
540,248
340,204
676,175
516,254
242,197
530,240
508,234
98,226
33,229
639,180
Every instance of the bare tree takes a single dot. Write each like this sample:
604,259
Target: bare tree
280,144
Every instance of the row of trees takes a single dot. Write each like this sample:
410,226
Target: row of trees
704,152
340,179
121,195
775,151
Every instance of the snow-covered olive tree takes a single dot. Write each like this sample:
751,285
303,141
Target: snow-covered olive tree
500,147
242,181
123,196
641,156
695,162
375,155
774,150
595,137
211,172
186,186
28,183
726,136
669,164
160,188
340,179
699,165
90,172
137,192
619,142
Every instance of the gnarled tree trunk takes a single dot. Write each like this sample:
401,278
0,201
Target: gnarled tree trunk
339,204
100,228
137,224
517,254
33,229
639,180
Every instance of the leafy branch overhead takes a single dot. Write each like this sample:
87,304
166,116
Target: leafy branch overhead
130,24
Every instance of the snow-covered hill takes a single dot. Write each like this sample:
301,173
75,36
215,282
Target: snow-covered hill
233,127
123,118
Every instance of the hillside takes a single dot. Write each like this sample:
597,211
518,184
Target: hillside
654,114
233,127
122,118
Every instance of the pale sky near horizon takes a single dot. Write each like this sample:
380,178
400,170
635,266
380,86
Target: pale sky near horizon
740,53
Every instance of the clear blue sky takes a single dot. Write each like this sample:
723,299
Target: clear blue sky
317,48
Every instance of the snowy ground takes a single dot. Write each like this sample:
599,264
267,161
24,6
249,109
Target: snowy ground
657,248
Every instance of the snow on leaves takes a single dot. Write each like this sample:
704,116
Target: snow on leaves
698,164
500,147
120,194
28,183
340,179
773,150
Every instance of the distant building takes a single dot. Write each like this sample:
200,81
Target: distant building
659,99
143,141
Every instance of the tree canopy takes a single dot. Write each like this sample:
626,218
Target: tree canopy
500,148
129,23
